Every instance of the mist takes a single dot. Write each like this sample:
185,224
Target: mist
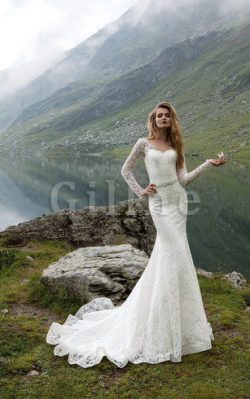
36,35
48,45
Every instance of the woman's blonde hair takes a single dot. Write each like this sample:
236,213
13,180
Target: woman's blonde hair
173,135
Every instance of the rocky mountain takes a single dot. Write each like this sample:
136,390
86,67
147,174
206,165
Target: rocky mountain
135,39
207,78
119,91
115,80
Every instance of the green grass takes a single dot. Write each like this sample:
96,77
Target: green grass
218,373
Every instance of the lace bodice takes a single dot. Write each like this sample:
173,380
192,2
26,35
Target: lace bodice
141,150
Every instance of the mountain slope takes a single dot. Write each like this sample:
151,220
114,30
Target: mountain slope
122,90
134,40
206,78
161,25
68,69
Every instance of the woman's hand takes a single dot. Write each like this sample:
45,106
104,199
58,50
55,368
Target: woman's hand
218,162
150,190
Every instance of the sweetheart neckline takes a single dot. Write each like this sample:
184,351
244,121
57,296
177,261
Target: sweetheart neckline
156,149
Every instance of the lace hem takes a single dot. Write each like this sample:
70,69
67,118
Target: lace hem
122,358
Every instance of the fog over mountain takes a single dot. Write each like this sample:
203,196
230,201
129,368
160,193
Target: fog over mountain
142,12
135,39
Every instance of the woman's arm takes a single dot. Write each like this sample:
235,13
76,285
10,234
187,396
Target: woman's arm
126,171
186,177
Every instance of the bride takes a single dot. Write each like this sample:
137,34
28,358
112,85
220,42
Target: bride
163,318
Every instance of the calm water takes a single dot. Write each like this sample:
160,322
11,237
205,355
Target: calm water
218,223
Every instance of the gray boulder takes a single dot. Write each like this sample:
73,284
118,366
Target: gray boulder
236,279
91,272
204,273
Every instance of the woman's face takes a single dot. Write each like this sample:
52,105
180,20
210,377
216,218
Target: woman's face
162,118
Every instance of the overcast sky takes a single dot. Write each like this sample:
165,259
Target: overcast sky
31,29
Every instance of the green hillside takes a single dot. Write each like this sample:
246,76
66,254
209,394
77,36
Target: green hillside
134,40
207,79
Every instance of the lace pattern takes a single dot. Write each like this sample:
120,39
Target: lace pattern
136,153
122,359
186,177
141,147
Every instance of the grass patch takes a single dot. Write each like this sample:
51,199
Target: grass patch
7,258
218,373
62,301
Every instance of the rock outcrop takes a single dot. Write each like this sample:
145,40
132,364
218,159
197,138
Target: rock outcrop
236,279
126,222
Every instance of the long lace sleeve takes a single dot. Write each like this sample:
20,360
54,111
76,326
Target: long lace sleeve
186,177
126,171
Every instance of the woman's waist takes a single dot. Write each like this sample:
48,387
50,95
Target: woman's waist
165,182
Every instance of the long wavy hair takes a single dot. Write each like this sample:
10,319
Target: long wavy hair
173,134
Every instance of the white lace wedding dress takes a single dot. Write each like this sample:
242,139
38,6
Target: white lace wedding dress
163,318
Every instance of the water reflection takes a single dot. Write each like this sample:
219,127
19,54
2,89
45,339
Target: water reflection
217,233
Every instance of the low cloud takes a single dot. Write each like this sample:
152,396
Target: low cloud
35,34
